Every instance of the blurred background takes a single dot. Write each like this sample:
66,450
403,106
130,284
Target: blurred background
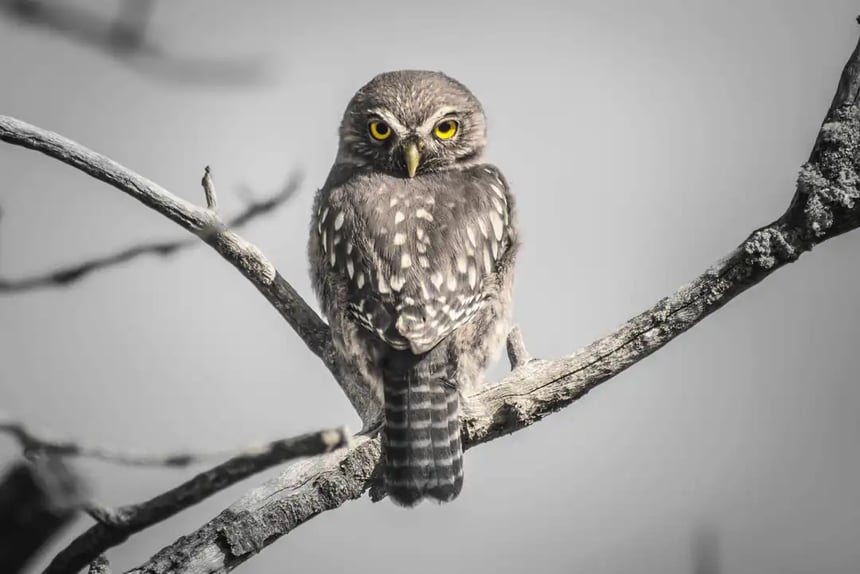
643,141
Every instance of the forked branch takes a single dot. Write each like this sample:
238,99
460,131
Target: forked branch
73,273
824,205
114,526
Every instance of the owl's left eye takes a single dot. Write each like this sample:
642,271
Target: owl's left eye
446,129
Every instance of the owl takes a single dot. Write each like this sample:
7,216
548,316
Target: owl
412,248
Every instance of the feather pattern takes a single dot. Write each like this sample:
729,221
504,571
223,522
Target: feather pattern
414,255
414,274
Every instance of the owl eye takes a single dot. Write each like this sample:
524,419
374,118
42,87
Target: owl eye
379,130
446,129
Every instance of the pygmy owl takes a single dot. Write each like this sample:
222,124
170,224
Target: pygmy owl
412,248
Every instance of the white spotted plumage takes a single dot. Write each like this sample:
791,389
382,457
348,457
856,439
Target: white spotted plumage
415,267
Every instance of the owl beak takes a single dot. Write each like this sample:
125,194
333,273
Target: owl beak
410,153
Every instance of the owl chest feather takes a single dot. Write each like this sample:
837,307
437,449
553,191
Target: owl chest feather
413,255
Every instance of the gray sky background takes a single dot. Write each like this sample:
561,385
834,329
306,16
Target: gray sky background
643,141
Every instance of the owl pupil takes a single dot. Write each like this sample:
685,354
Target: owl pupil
445,126
381,128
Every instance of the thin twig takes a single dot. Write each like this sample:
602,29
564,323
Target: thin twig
34,447
518,355
239,252
124,39
209,190
71,274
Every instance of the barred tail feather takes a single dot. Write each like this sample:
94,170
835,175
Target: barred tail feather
421,435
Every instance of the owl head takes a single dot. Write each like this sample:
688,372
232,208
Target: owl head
412,122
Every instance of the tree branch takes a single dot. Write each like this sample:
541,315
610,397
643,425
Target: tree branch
73,273
124,39
824,206
116,525
34,447
206,225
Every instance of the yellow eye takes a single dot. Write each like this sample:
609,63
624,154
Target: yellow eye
379,130
446,129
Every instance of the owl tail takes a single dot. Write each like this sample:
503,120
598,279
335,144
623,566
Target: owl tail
421,435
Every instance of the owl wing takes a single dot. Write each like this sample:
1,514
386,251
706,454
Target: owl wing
415,256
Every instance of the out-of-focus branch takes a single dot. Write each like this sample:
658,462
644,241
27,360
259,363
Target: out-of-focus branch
37,498
73,273
34,447
126,38
116,525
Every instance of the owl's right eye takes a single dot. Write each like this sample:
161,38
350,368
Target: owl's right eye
379,130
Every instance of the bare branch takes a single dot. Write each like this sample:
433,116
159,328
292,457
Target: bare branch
825,205
115,526
124,39
243,255
33,447
74,273
37,499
